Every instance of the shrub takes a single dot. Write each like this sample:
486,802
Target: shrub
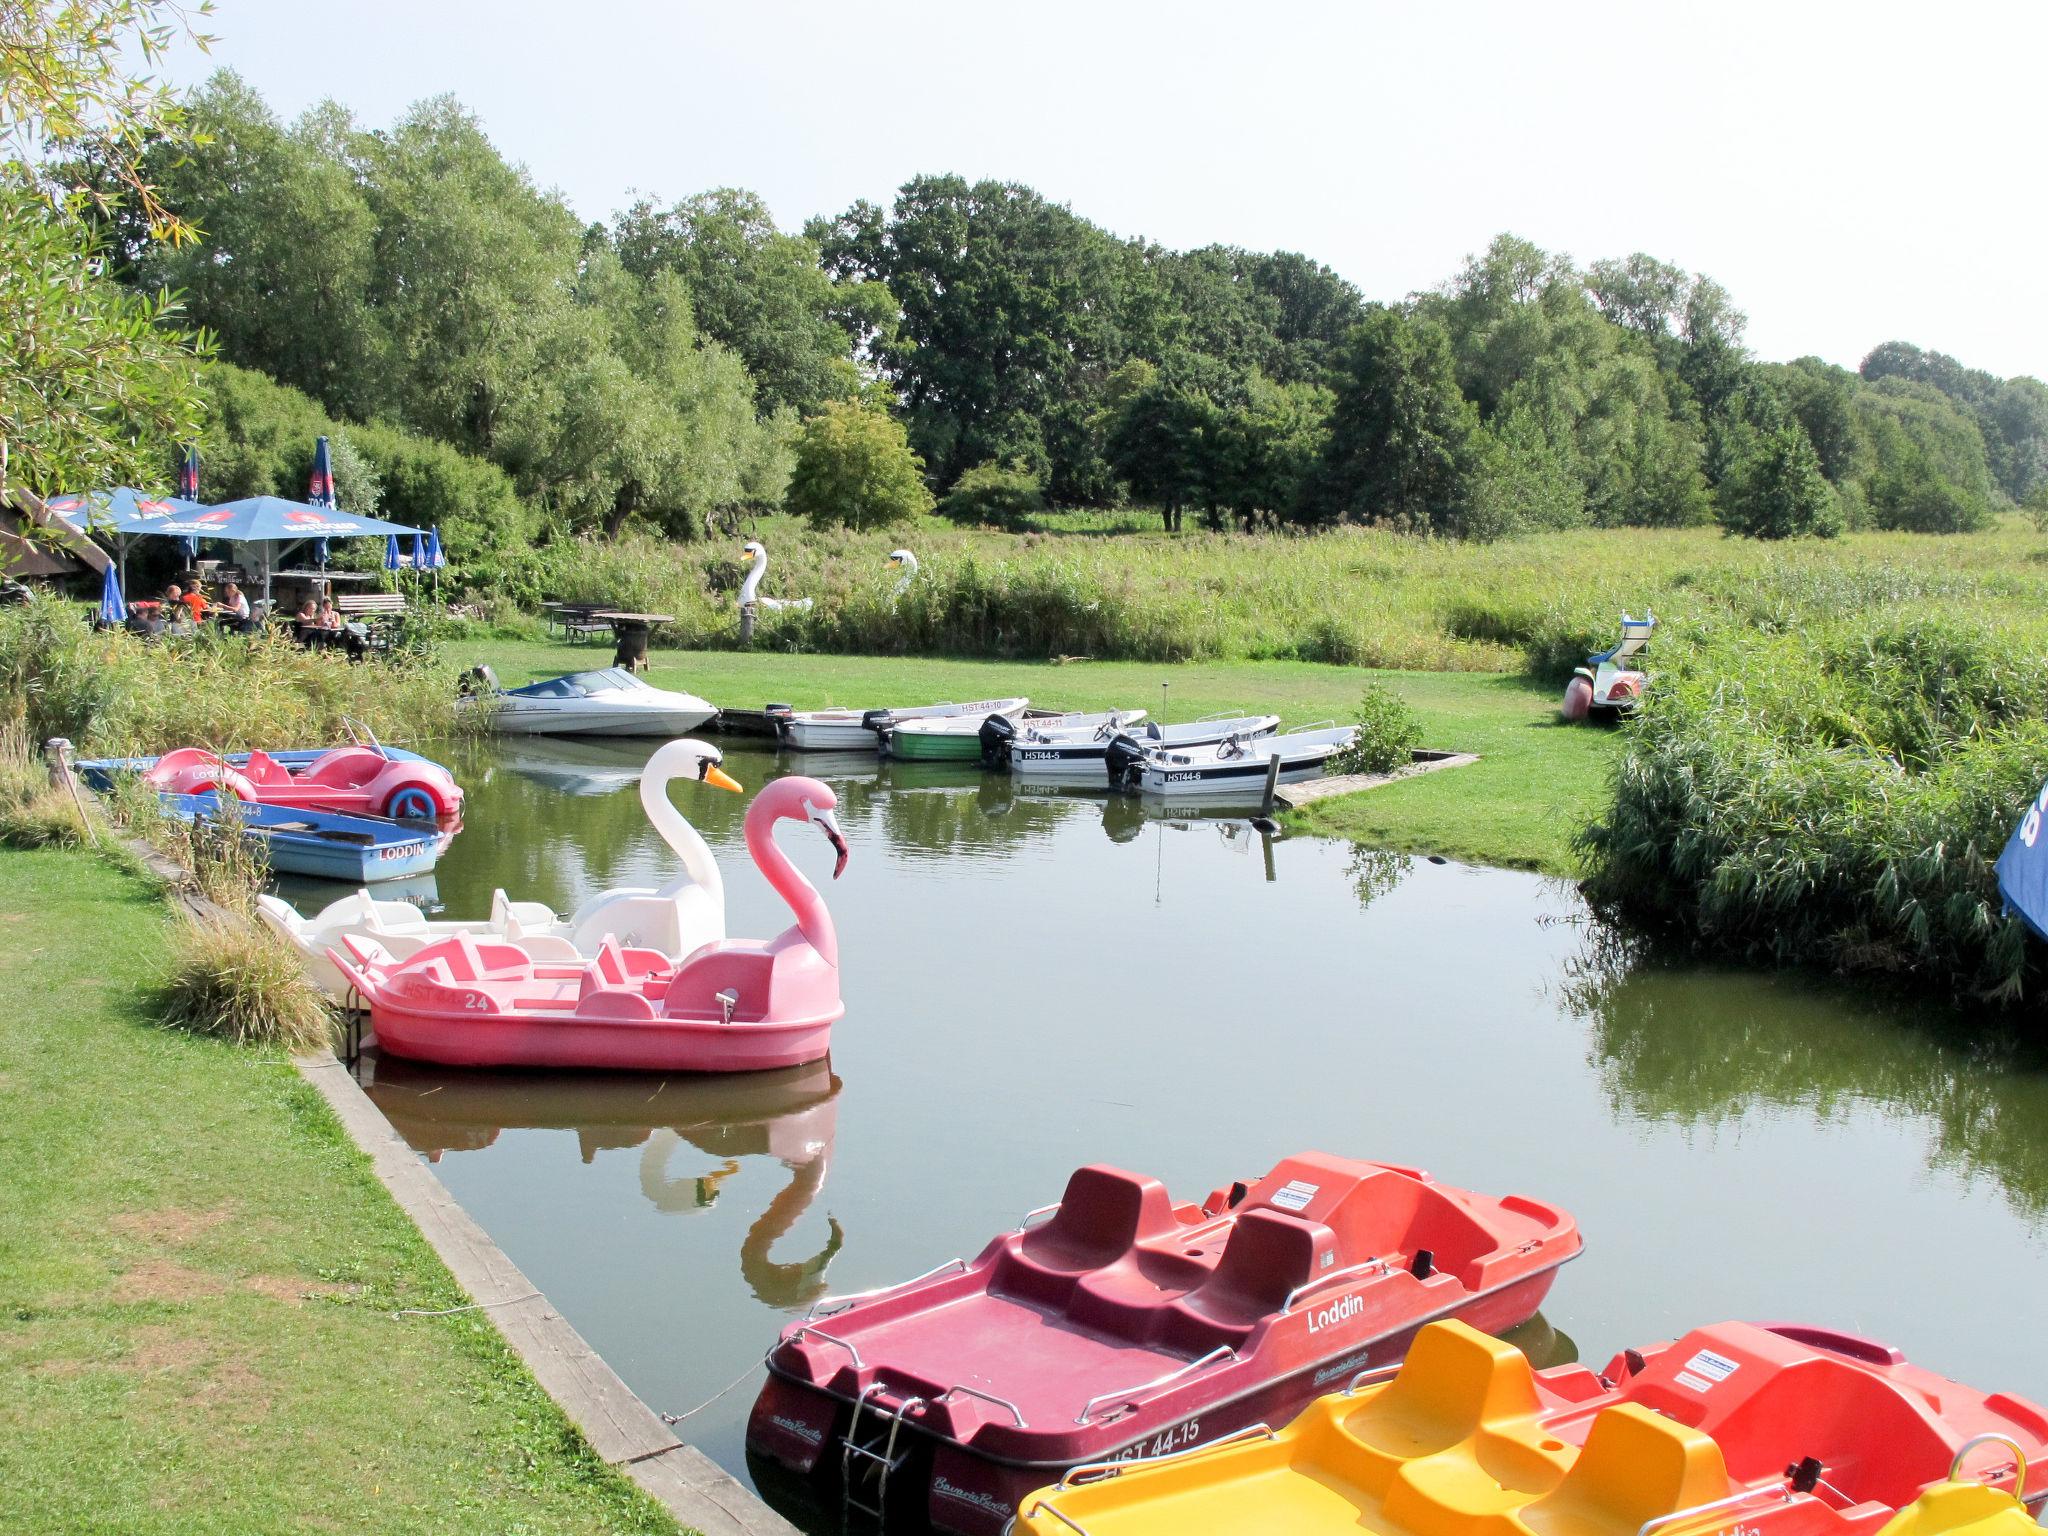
1781,493
1388,733
242,983
995,496
854,469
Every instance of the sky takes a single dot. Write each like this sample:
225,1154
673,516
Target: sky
1851,173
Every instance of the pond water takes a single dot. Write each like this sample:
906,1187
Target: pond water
1040,981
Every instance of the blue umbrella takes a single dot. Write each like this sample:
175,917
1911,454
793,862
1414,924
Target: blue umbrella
112,609
271,520
320,553
320,486
188,475
393,561
435,557
419,552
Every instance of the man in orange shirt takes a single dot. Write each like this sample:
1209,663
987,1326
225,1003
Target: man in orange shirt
192,600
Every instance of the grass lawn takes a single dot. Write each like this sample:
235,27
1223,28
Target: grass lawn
1537,780
199,1273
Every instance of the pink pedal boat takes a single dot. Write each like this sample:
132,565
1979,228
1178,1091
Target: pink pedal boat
359,780
1127,1326
739,1005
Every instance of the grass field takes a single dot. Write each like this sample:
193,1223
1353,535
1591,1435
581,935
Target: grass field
1537,780
200,1276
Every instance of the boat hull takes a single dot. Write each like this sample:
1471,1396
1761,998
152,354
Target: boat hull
1065,765
933,746
541,721
659,1045
324,845
828,736
1243,777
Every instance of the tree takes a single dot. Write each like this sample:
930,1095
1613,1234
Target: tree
96,382
1781,493
1401,445
855,468
1161,446
1264,451
994,495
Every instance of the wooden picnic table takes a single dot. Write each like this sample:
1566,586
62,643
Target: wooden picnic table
631,630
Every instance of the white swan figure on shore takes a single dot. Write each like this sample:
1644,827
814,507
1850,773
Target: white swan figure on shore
755,553
904,559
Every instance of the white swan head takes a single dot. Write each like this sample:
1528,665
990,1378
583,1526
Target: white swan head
904,558
753,550
688,758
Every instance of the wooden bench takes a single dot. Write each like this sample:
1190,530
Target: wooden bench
374,604
579,621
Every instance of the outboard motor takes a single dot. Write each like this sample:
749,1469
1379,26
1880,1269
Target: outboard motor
997,734
778,719
1125,758
477,680
878,720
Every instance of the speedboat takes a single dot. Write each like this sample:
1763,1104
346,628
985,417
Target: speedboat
1237,764
676,919
1771,1429
859,730
1058,746
608,702
1119,1324
1128,749
328,845
358,780
950,738
738,1005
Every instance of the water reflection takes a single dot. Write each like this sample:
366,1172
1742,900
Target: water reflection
788,1116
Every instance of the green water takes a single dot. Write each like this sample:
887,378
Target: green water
1038,981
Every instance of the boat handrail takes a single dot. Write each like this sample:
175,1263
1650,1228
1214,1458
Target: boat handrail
1313,725
1125,1394
350,724
1221,714
1043,1210
830,1306
1045,1507
806,1330
987,1397
1370,1373
1320,1281
1657,1522
1101,1471
1992,1437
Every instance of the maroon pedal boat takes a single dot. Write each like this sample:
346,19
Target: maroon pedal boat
1118,1324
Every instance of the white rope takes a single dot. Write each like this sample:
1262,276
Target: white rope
677,1418
475,1306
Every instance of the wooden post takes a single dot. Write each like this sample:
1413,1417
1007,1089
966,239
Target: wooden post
57,752
1272,783
746,623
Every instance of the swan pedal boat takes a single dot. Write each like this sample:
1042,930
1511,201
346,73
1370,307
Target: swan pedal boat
738,1005
1764,1429
327,845
1236,764
1125,1324
949,738
359,781
675,919
608,702
1031,752
859,730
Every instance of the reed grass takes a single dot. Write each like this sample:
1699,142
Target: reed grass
239,981
33,813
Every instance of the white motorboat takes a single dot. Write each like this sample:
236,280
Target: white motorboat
1064,748
677,918
1126,752
1238,764
611,702
856,730
954,737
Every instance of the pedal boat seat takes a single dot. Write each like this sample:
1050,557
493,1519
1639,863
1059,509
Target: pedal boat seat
1636,1466
1103,1215
1962,1509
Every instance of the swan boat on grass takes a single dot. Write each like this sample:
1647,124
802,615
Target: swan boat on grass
1030,750
1127,1324
755,554
952,737
859,730
675,919
739,1005
1772,1429
1237,764
607,702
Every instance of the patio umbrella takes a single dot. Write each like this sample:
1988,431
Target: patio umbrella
320,485
188,475
419,552
435,558
273,525
112,609
320,553
118,515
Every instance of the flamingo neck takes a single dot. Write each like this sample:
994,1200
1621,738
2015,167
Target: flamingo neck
683,840
751,587
773,804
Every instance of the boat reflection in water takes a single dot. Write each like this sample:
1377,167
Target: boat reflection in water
787,1115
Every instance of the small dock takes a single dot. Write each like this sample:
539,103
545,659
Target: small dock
1295,796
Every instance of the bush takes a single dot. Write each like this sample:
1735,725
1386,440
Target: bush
1388,734
243,983
1781,493
995,496
854,469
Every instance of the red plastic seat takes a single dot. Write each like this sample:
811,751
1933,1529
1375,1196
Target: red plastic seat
1269,1255
1102,1216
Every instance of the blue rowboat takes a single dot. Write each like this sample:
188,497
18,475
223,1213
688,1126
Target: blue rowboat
326,844
99,773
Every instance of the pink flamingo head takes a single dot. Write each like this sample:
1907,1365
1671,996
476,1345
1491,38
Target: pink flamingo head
797,799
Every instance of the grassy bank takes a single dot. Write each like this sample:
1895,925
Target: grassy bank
1536,783
200,1275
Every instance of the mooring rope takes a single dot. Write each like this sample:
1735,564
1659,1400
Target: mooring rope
677,1418
474,1306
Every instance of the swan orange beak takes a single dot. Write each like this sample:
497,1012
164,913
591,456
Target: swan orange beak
715,775
747,554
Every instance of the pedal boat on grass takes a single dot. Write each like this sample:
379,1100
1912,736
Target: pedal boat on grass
327,845
739,1005
949,738
361,781
1062,747
1238,764
1125,1325
1766,1429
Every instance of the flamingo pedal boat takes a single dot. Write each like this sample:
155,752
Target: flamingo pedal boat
1770,1429
1119,1324
732,1005
362,781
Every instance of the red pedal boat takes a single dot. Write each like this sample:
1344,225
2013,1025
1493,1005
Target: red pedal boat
1126,1326
364,780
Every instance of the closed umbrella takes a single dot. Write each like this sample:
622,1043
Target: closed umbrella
188,490
419,553
112,609
320,484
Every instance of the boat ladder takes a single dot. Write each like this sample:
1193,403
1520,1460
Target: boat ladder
866,1464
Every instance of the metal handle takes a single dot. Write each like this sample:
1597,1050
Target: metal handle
1313,725
1658,1522
1099,1471
1371,1373
805,1330
987,1397
1336,1274
828,1306
1031,1216
1220,1352
1993,1437
1044,1507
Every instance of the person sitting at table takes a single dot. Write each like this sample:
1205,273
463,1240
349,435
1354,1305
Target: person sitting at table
234,607
194,601
306,624
330,617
